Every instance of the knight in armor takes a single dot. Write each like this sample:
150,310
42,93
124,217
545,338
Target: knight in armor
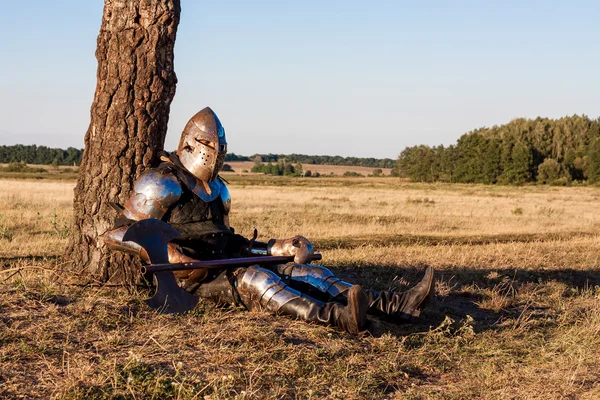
185,191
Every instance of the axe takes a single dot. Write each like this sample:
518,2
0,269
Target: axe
154,236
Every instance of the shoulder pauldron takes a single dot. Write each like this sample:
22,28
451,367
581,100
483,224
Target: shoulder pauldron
153,193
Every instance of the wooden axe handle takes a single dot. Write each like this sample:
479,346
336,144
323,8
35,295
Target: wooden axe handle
229,262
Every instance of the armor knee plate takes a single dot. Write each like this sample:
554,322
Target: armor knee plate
261,287
320,278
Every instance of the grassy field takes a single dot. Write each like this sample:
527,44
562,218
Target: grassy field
62,173
239,166
516,313
67,172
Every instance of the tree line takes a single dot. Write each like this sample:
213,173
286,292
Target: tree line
554,151
40,155
45,155
315,159
280,168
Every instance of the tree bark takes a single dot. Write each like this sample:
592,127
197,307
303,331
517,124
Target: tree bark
129,116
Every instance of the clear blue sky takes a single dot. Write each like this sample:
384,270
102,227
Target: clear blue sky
351,78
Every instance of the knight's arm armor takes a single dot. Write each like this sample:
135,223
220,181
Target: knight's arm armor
298,246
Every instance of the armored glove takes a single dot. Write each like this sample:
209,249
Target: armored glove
298,246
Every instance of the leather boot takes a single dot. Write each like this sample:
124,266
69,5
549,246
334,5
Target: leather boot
351,318
403,306
398,306
216,287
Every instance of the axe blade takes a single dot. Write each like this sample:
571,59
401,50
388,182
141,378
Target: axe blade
169,297
154,236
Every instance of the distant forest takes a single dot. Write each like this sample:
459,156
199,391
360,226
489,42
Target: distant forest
554,151
45,155
40,155
320,160
524,150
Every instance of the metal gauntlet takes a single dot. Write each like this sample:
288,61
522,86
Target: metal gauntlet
298,246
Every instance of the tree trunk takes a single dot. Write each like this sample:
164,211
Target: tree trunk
129,115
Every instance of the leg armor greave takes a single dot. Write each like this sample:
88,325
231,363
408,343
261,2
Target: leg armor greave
316,276
261,288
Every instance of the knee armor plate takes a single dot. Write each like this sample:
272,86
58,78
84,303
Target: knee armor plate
320,278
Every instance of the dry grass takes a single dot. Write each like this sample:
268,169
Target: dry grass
517,311
405,209
60,173
239,166
48,167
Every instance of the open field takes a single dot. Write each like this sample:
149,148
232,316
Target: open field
65,172
516,313
239,166
55,173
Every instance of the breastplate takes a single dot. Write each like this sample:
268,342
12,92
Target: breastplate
188,209
202,225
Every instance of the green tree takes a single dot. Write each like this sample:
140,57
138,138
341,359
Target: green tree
271,169
492,162
511,153
288,170
352,174
520,170
298,169
549,171
419,163
259,168
469,161
593,168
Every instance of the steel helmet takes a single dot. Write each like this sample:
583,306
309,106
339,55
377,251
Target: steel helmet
203,146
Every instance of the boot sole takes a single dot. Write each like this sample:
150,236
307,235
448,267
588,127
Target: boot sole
359,305
430,282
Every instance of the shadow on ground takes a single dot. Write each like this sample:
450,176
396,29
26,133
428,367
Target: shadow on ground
463,292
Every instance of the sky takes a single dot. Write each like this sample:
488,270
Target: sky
350,78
